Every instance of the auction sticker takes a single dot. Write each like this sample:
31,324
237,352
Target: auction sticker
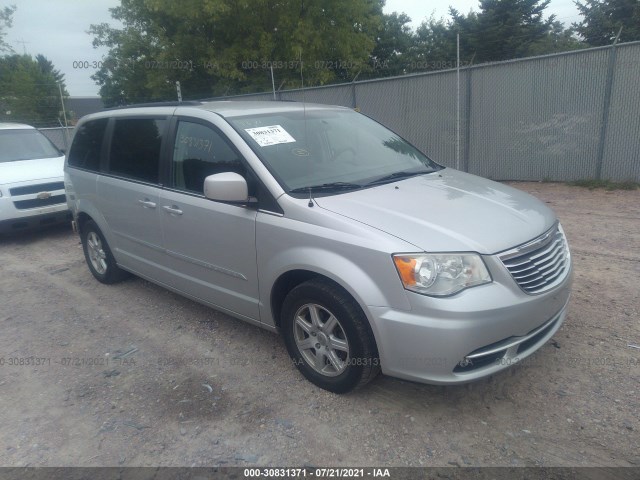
271,135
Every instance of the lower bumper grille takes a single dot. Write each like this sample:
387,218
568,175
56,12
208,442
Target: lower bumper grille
509,348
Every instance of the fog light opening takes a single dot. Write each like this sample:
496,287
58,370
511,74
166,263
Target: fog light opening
465,362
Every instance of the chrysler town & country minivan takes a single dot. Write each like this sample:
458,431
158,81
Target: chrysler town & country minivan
320,223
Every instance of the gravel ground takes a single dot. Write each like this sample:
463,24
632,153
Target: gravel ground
134,375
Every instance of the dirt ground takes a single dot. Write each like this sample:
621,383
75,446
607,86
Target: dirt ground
134,375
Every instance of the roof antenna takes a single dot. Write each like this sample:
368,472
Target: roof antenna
310,199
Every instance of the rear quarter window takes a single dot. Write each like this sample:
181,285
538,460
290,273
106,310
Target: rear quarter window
87,145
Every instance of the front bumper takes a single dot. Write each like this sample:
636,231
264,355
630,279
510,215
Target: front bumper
32,222
468,336
33,204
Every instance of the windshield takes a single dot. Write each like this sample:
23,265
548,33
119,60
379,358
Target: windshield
25,144
329,150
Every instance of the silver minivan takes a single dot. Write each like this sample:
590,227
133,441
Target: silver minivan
320,223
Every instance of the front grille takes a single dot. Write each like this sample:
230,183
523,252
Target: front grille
43,187
36,202
541,264
507,351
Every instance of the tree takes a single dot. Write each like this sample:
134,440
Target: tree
46,67
393,44
29,91
558,39
602,20
435,42
506,29
6,17
501,30
218,47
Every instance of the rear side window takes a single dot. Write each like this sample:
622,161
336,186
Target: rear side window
87,145
199,152
135,148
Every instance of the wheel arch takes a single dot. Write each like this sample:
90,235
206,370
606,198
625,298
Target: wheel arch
290,279
284,284
88,211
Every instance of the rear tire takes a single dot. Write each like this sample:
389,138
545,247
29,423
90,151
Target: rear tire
328,337
98,255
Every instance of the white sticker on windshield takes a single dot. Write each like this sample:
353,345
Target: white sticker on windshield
271,135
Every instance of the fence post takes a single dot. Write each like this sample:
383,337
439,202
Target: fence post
608,87
467,121
353,91
457,101
353,95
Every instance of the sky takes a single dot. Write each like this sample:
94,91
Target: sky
57,29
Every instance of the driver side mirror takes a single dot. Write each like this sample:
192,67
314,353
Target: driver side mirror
226,187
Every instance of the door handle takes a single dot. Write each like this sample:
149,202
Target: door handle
146,203
173,209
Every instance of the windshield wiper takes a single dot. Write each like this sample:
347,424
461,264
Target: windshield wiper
395,176
327,187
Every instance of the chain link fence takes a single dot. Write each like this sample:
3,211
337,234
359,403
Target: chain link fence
60,136
559,117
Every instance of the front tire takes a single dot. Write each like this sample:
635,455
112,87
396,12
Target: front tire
98,255
328,337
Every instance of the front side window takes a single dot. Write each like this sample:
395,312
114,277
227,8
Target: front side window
329,148
135,148
200,151
25,144
87,145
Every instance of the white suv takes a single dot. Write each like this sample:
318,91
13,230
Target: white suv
31,179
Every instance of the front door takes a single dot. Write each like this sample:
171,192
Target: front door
210,245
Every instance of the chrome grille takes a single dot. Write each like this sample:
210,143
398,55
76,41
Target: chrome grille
541,264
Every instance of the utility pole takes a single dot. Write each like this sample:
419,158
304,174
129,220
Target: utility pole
24,48
64,115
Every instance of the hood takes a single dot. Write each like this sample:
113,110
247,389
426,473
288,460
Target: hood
447,211
28,170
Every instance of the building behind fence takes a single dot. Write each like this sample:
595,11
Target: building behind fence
560,117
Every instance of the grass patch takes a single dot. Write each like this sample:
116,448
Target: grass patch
592,184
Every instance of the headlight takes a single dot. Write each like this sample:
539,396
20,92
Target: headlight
441,274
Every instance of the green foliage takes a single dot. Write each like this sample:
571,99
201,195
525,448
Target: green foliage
509,28
29,91
6,17
218,47
225,47
602,20
501,30
394,41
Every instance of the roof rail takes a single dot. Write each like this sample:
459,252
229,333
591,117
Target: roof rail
156,104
